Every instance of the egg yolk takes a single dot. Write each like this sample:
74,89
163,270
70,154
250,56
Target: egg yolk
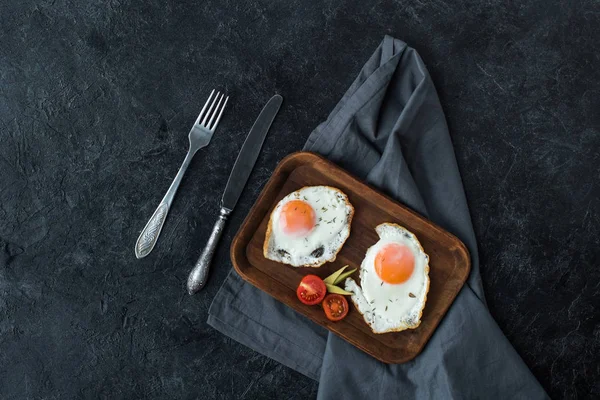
394,263
297,218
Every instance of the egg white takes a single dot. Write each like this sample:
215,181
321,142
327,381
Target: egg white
333,213
391,307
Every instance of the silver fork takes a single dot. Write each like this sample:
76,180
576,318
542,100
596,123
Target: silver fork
200,136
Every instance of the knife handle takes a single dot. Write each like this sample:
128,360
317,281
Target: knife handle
199,274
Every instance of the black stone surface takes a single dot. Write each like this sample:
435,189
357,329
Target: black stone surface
96,100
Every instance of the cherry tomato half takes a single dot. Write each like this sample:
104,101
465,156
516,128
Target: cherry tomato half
311,290
335,306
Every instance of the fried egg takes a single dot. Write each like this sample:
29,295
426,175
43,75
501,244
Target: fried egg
394,281
308,227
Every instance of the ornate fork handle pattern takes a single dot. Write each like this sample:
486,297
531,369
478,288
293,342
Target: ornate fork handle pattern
151,231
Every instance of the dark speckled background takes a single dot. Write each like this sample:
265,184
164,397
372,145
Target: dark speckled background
97,98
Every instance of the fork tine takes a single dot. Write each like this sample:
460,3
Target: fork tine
204,108
220,113
215,112
210,110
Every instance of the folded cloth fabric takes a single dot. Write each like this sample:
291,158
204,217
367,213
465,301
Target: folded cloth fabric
389,129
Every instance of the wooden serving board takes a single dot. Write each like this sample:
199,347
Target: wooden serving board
449,259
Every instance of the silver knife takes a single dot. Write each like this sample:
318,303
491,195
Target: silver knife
237,180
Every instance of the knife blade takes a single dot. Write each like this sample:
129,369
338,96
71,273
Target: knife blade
235,185
249,153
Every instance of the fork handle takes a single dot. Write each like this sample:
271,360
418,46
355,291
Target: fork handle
199,274
151,231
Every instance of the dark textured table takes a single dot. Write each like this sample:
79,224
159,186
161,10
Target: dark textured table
97,98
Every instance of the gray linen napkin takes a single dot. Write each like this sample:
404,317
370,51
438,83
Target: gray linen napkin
389,129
